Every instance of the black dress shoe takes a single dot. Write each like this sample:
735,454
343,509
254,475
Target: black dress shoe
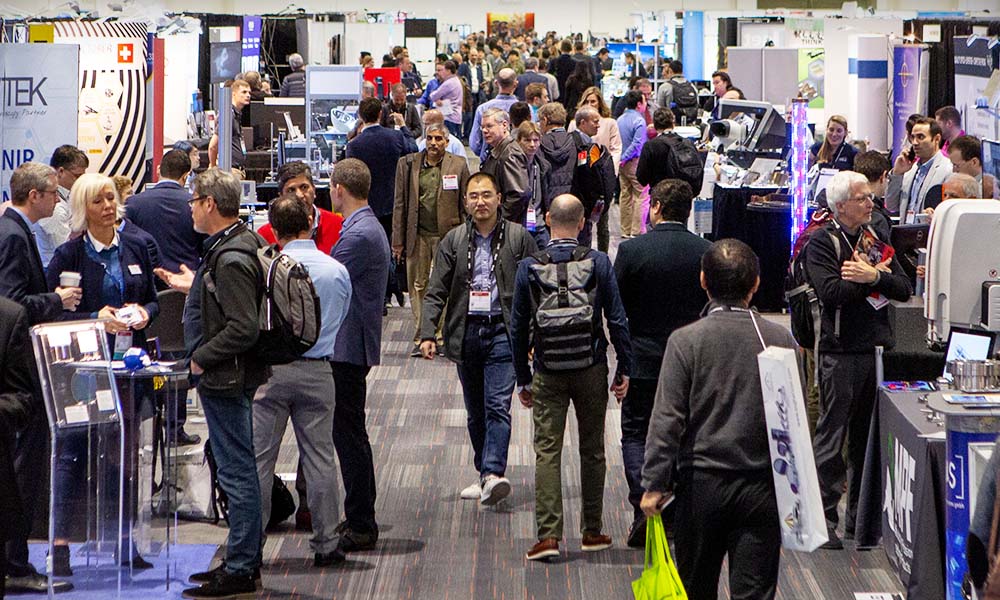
637,533
353,541
182,438
328,559
834,542
207,576
224,585
138,563
34,583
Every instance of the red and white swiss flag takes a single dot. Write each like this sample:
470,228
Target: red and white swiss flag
125,53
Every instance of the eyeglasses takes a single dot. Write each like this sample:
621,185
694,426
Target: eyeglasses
861,199
484,195
51,191
197,199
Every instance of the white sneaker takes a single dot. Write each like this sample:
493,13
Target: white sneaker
495,489
472,492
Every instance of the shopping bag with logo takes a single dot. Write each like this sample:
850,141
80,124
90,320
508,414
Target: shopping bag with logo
796,484
659,579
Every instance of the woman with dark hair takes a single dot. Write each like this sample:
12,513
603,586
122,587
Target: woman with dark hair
577,83
834,152
721,83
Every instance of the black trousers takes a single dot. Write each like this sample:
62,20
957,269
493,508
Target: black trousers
392,285
354,451
636,411
31,467
847,397
725,512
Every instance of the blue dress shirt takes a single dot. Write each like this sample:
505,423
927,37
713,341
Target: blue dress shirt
333,286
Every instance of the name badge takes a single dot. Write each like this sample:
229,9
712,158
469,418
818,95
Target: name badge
449,182
135,269
581,158
530,221
123,341
479,301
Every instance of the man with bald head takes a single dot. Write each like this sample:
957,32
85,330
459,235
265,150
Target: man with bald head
571,368
433,116
506,81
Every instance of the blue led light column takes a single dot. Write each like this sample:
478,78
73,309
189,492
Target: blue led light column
798,166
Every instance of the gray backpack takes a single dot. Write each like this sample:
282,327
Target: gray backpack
563,296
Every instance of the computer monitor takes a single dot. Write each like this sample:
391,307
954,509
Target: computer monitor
991,162
225,61
964,344
265,114
765,127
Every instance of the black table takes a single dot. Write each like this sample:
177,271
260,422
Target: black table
768,232
911,521
729,209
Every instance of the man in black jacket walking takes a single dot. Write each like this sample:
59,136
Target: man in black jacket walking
221,324
854,284
658,278
473,285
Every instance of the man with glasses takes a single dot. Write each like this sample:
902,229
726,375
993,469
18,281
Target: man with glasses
472,283
34,193
845,264
506,163
50,232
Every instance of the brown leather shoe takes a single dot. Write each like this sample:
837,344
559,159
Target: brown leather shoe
595,543
545,549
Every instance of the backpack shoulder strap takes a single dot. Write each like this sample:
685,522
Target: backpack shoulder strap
580,252
543,257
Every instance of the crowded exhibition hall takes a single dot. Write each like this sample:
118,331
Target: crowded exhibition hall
570,301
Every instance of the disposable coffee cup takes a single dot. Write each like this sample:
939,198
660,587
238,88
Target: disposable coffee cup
69,279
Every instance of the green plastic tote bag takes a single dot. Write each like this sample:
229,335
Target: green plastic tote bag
659,580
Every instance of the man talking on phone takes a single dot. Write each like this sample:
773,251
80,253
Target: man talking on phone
560,294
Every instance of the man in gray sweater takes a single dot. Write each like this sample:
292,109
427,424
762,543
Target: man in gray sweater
707,443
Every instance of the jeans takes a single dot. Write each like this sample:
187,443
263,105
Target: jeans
487,376
454,128
230,427
354,450
553,392
636,411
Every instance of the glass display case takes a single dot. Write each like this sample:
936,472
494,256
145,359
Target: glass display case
333,93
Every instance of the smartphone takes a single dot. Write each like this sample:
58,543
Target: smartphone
619,379
910,154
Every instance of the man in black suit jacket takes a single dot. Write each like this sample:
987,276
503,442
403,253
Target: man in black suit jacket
380,149
530,75
163,212
563,66
17,387
34,193
659,281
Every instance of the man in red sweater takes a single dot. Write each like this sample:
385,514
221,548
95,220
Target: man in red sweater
296,177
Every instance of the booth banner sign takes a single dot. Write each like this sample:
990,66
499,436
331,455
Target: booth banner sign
112,82
796,484
907,88
812,73
902,472
806,32
40,96
251,42
974,64
512,24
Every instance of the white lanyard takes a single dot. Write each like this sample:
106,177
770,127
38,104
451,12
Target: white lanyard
753,319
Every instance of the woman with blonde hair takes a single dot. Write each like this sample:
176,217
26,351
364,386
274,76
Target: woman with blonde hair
834,152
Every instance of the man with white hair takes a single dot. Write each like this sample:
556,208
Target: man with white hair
506,162
854,284
506,81
294,84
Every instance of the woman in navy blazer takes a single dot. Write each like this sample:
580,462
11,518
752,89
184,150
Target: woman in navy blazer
115,267
116,271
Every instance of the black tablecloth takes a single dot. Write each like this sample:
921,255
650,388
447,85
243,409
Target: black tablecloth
729,210
911,521
768,232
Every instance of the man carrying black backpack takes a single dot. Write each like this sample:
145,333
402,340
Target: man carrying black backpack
560,294
669,156
678,94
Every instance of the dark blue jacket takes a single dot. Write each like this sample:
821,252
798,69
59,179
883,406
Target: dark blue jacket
22,276
163,213
139,286
659,282
364,250
607,302
381,148
526,79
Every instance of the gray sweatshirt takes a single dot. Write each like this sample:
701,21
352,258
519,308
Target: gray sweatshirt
708,412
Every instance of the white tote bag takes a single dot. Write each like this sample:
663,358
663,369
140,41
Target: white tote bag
796,484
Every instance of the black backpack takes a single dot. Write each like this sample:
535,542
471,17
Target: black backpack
563,296
684,161
685,100
282,503
289,314
593,177
804,306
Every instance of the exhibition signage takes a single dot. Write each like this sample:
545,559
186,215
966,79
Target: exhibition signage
251,42
974,64
39,94
812,73
908,84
